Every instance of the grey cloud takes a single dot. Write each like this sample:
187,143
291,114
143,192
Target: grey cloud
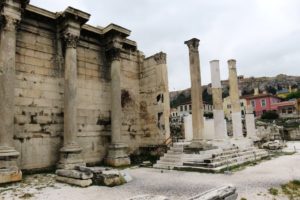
262,35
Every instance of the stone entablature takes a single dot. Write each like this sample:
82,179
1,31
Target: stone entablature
59,52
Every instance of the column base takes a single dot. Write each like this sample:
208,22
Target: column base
117,155
9,171
10,175
70,156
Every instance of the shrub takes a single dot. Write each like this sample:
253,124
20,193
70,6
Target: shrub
270,115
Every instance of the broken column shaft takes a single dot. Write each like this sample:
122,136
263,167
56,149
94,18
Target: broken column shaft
219,123
236,115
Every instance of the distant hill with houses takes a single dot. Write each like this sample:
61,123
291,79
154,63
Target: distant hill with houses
275,85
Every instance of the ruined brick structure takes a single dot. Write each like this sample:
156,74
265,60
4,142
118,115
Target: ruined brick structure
57,54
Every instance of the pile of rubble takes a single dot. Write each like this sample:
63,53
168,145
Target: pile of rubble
273,145
86,176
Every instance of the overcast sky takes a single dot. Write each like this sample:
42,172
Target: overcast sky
262,35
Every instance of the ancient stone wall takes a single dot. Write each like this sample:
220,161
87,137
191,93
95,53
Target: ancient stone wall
39,92
155,111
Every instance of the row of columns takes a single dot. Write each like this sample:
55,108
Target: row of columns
197,103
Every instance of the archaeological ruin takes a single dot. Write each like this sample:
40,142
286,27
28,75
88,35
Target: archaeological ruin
72,93
210,149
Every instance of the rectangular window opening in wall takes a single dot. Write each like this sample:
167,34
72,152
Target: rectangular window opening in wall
263,103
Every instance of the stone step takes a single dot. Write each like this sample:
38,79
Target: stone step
170,159
160,166
219,168
229,156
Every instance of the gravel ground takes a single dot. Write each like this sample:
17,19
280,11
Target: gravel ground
252,183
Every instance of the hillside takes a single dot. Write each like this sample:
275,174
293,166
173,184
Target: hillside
246,85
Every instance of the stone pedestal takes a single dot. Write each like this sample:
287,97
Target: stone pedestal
11,15
117,154
237,126
219,123
71,22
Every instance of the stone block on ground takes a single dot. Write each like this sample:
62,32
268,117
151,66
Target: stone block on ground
73,181
149,197
220,193
109,178
92,169
74,174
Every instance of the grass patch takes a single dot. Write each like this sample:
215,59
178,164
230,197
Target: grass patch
292,189
273,191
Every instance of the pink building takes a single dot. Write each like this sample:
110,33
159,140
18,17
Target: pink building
262,103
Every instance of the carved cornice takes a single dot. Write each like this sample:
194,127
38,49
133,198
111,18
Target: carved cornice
71,40
192,44
160,58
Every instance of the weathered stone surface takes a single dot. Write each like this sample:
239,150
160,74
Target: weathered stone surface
74,174
221,193
73,181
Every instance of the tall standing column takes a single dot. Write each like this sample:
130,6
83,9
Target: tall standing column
219,123
70,152
11,15
117,155
71,21
196,89
236,115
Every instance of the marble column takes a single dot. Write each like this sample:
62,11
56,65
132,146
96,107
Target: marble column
196,90
70,152
11,15
117,155
236,115
219,121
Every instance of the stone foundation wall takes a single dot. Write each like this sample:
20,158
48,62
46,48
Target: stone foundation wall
39,92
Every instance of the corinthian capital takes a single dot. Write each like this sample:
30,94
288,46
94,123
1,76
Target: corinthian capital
71,40
114,54
10,23
192,44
